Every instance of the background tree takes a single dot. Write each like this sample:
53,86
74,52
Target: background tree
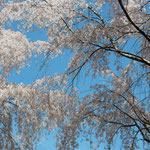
109,41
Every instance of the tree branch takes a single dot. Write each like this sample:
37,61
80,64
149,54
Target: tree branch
130,20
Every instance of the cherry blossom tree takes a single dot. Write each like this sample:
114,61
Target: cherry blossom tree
109,41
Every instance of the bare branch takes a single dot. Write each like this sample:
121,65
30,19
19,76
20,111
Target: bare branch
130,20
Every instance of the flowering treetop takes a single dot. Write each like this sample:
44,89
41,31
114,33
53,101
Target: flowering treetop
109,41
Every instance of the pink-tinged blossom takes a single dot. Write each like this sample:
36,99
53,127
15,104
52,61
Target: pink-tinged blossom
108,45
